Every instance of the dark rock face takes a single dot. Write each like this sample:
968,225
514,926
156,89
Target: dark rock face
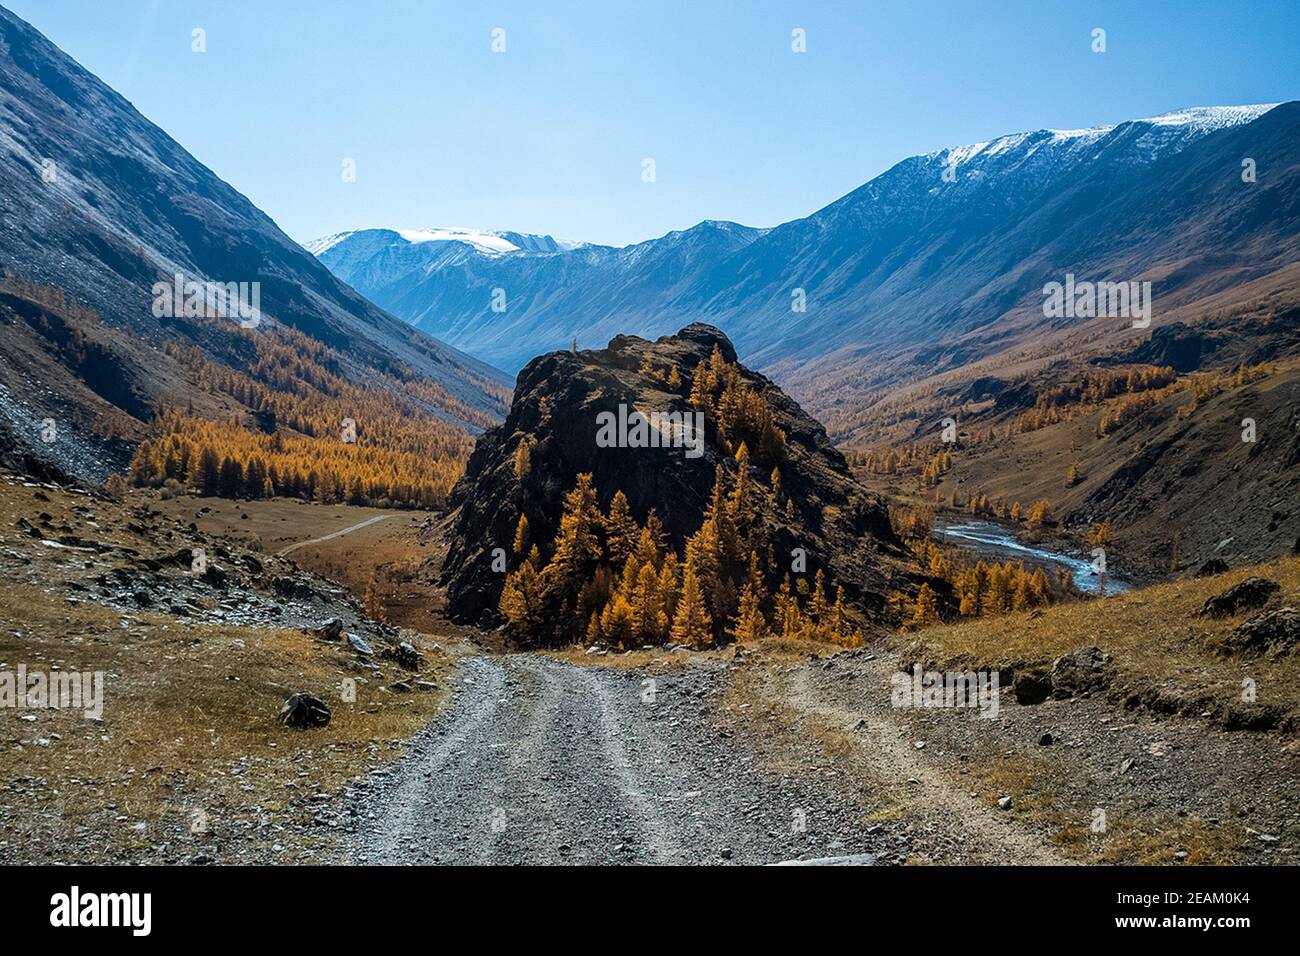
1250,594
1212,567
1274,631
1032,687
842,527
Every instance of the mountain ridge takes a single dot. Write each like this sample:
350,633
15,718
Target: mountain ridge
906,236
102,205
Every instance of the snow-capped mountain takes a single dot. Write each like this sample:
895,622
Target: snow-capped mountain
940,246
479,240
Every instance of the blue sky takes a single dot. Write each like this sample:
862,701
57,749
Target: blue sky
549,136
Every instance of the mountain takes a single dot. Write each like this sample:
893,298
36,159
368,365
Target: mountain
98,205
937,263
761,479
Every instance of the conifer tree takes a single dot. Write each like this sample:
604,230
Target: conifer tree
692,625
927,608
616,622
621,530
648,617
521,535
749,624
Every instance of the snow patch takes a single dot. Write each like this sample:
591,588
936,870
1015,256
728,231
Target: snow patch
484,241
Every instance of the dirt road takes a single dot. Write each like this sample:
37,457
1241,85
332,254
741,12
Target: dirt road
330,537
541,761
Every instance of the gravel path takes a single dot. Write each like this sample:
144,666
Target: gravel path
330,537
541,761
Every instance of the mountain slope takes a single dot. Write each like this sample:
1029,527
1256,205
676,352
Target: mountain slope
98,202
914,272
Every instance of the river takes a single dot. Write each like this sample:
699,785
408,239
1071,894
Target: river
990,540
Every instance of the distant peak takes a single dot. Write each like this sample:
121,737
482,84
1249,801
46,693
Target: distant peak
483,240
1193,120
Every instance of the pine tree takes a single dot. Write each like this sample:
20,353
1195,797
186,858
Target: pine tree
230,479
616,622
749,624
521,535
692,625
523,460
700,396
521,596
927,607
577,549
648,617
817,605
209,472
668,585
739,503
621,530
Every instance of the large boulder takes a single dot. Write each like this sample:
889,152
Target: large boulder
302,711
1249,595
1080,672
405,654
1274,631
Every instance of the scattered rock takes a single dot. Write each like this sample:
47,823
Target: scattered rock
215,576
1126,765
1249,595
331,630
304,710
1004,803
359,645
406,656
1046,740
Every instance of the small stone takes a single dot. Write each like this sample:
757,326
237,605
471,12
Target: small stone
1004,803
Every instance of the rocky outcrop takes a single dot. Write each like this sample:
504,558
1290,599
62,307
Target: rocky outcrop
1274,631
841,527
1249,595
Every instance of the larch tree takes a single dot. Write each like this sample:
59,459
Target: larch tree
692,625
621,529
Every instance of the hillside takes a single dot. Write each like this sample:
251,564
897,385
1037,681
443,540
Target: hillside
97,207
759,521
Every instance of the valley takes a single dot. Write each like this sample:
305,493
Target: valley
841,541
753,753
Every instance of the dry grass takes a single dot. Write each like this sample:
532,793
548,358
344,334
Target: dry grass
1154,636
190,711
